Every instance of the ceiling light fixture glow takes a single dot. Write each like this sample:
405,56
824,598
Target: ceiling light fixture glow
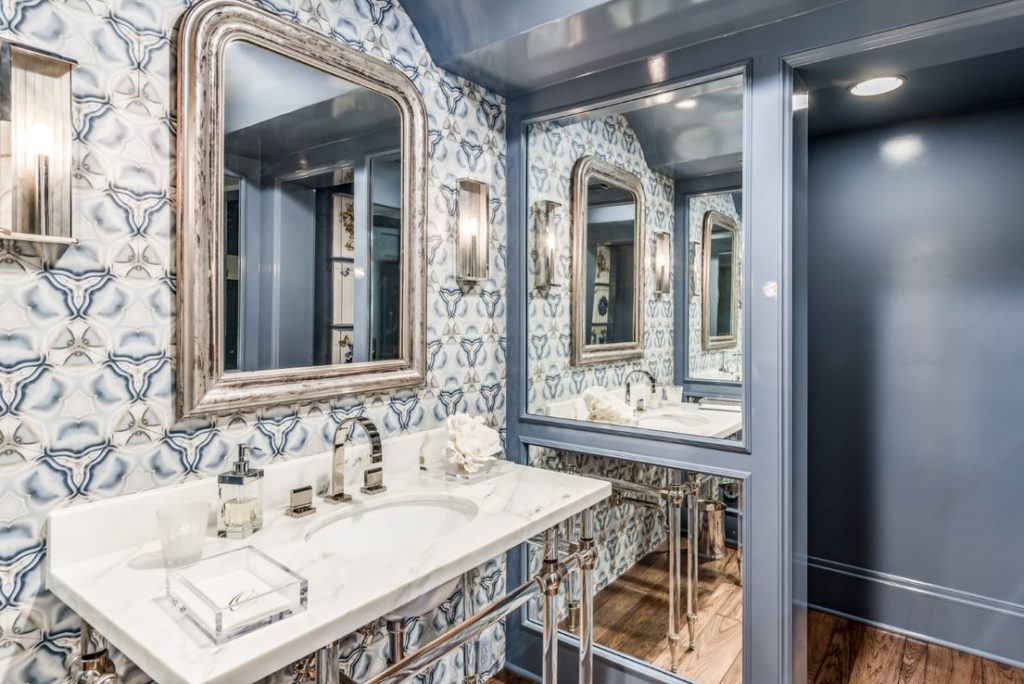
877,86
688,103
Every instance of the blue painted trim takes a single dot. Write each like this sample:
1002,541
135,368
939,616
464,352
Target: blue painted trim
898,604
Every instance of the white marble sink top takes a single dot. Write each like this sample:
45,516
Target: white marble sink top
105,563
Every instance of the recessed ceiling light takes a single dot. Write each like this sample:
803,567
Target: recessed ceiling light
876,86
688,103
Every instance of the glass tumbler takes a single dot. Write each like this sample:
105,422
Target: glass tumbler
182,531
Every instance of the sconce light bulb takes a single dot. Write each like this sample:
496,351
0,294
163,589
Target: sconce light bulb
41,140
471,226
551,241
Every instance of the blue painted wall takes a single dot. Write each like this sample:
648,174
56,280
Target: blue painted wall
916,366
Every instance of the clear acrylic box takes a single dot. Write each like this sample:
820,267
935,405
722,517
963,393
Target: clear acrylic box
236,592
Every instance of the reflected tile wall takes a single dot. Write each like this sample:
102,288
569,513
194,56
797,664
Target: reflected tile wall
553,148
87,354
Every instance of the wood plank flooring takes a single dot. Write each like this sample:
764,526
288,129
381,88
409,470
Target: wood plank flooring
840,651
631,616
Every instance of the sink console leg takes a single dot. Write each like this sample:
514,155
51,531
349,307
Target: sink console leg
586,608
550,665
396,640
328,664
92,666
692,560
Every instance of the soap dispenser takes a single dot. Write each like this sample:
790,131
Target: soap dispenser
240,496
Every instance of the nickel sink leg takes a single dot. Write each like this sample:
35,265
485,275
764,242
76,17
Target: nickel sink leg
586,609
692,559
675,569
550,569
328,664
469,649
92,666
396,640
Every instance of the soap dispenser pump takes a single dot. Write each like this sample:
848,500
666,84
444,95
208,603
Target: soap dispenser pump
240,496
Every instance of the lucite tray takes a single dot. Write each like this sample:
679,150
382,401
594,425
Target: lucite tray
236,592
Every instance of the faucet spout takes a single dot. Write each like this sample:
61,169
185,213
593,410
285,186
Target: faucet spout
629,384
373,477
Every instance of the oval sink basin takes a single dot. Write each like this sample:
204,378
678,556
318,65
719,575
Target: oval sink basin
394,523
673,422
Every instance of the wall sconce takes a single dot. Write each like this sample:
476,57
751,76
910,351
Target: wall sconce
545,225
473,241
662,263
35,148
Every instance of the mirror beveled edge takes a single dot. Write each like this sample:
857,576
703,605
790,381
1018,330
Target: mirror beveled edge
581,351
710,342
202,386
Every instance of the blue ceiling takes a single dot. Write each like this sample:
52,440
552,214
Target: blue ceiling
515,46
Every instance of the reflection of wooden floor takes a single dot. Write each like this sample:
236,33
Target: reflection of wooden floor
631,616
843,652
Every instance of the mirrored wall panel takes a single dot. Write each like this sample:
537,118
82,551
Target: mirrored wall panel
313,216
656,601
635,301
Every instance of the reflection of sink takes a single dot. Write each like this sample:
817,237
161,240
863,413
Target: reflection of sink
394,523
672,422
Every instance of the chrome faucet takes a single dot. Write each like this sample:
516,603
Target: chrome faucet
373,477
629,389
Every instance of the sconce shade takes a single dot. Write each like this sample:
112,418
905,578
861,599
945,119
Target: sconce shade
473,242
663,263
545,213
35,145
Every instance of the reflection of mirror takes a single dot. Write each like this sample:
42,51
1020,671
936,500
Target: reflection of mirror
653,601
608,273
598,352
720,311
319,215
714,349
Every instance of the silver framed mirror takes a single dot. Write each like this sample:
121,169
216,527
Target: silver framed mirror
720,311
301,216
609,245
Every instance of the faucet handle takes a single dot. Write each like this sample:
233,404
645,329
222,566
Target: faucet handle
373,481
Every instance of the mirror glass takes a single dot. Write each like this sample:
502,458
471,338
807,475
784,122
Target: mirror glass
586,295
637,530
720,260
611,245
312,216
715,313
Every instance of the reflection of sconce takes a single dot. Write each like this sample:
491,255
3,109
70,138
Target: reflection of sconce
472,246
35,147
662,263
545,213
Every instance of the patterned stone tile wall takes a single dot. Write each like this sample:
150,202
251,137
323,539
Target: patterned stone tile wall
87,354
729,359
553,148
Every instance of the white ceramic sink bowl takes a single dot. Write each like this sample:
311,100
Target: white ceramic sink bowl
672,421
396,523
392,523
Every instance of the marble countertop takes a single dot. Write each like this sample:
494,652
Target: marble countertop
105,562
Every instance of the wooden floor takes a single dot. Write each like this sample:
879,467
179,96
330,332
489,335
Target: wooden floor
631,616
843,652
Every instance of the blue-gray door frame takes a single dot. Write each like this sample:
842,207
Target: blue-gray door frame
765,458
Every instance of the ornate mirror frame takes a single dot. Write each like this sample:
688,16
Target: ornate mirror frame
582,352
710,343
202,386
